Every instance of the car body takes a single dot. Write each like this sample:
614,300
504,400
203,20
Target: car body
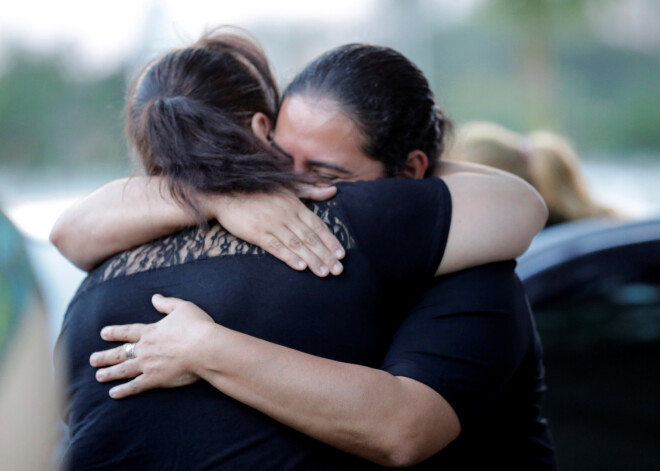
594,286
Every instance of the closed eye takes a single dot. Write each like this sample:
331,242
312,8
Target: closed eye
326,178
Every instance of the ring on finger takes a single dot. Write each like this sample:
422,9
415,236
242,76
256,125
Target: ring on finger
130,350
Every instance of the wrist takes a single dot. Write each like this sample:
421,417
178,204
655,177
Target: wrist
213,205
206,350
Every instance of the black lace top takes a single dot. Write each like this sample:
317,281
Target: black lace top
196,243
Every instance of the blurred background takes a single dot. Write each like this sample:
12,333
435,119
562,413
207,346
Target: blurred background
588,70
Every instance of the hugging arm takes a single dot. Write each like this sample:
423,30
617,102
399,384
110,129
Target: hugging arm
121,214
391,420
495,216
128,212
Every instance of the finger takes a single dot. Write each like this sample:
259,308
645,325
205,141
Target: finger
165,305
316,193
122,333
125,370
277,249
321,229
295,244
135,386
109,357
315,245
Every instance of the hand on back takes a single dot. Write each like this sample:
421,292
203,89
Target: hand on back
283,226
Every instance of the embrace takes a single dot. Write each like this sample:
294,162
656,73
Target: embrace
299,281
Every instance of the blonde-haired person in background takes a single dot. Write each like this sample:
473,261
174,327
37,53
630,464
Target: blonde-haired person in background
545,160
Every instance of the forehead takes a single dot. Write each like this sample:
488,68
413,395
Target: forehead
314,130
309,120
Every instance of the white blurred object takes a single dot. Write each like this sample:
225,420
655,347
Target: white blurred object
35,218
630,187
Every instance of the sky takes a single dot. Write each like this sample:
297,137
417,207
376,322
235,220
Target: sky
101,34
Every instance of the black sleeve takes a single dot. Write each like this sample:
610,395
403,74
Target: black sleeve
400,224
465,337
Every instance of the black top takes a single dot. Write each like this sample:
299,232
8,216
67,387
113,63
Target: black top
394,231
471,337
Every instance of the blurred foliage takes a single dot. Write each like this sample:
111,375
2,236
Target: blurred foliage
535,64
522,63
49,118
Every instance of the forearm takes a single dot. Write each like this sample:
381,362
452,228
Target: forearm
364,411
499,182
494,217
121,214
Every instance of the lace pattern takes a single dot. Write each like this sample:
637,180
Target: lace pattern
197,243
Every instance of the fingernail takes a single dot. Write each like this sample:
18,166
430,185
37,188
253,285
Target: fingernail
92,359
340,253
113,392
337,268
324,270
302,265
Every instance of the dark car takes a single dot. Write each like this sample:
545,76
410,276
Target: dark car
594,286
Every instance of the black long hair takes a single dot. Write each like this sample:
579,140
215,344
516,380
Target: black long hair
386,95
188,116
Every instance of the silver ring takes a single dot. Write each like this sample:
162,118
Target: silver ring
130,350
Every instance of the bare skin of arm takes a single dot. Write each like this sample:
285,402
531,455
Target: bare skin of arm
128,212
495,216
390,420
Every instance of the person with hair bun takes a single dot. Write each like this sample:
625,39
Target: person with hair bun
383,364
544,159
194,117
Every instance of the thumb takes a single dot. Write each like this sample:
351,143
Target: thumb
164,305
316,193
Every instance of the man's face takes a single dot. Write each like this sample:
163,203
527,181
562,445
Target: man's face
323,141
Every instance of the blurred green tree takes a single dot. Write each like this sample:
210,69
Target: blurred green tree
534,24
49,118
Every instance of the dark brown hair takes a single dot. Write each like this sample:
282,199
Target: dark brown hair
188,116
388,98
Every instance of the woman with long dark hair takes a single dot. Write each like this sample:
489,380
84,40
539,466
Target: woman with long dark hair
394,231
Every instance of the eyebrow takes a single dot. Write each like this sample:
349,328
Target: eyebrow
313,163
328,165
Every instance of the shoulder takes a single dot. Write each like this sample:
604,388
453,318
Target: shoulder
392,188
401,224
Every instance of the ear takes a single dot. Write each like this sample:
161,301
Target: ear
262,127
416,165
